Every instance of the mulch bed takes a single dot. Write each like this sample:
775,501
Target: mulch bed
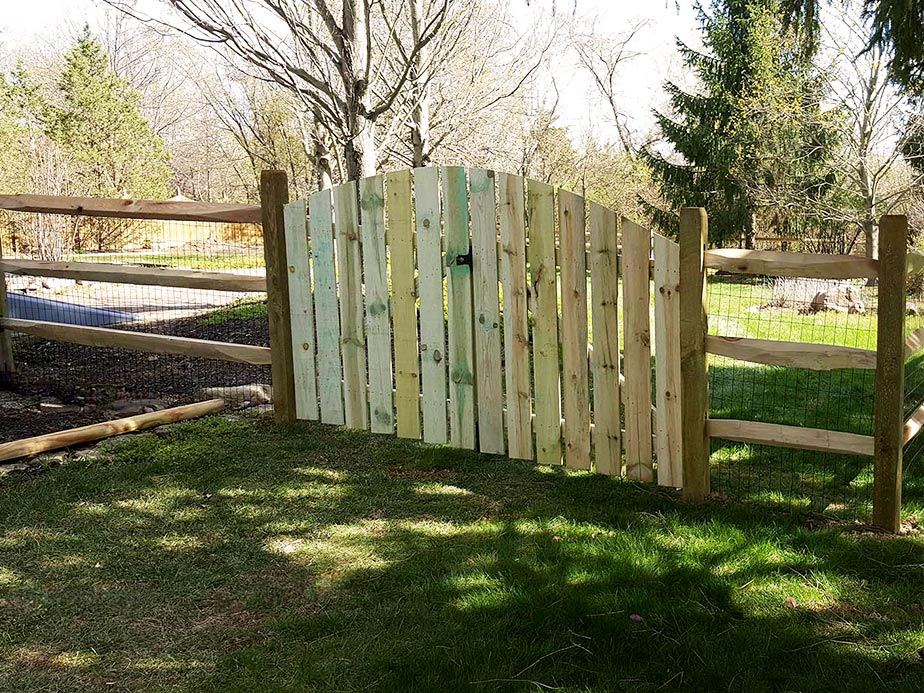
62,386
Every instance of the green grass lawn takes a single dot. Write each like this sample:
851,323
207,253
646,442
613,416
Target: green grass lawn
234,556
198,261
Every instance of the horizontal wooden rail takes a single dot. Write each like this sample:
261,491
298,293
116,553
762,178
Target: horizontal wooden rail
914,263
168,210
914,342
126,274
140,341
913,425
798,437
778,264
771,352
106,429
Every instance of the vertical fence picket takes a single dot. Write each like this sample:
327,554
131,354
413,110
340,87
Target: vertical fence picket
326,309
516,325
404,298
352,334
487,313
694,374
541,256
604,284
459,290
7,365
636,253
432,320
575,386
301,310
667,361
378,326
890,368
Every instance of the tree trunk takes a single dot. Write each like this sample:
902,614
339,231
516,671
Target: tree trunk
871,237
420,116
359,149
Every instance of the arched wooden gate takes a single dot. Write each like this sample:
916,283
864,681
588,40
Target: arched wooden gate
488,312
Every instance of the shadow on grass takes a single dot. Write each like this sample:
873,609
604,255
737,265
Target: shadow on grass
236,556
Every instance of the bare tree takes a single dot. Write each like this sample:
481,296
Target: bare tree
602,56
873,170
331,63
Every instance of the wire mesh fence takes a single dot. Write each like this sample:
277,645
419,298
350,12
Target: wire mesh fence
59,385
798,310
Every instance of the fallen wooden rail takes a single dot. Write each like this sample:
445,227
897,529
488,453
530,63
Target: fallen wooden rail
779,435
779,264
107,429
168,210
124,274
140,341
771,352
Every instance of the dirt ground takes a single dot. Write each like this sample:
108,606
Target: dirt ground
61,386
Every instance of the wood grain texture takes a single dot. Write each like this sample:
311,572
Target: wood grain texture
432,318
459,290
574,378
378,324
604,286
778,264
636,293
694,376
486,304
913,425
404,300
890,373
667,362
511,203
352,332
140,341
274,194
142,276
771,352
326,308
542,277
778,435
169,210
301,310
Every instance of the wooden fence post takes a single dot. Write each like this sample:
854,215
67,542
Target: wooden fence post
7,366
274,194
890,371
694,383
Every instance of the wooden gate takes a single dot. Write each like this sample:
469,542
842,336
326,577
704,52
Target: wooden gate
482,310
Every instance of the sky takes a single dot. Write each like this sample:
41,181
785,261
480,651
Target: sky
22,21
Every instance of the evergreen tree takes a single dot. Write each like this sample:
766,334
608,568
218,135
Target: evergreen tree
753,129
99,123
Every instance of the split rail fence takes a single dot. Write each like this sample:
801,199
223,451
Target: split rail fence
124,274
489,312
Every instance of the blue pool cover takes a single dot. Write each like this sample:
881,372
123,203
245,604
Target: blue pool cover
34,308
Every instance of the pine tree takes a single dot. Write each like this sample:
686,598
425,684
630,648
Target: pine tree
725,131
100,125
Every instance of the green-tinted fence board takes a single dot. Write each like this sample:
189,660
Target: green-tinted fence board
301,309
352,334
516,324
404,298
541,255
432,318
327,311
487,312
378,324
575,386
459,289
